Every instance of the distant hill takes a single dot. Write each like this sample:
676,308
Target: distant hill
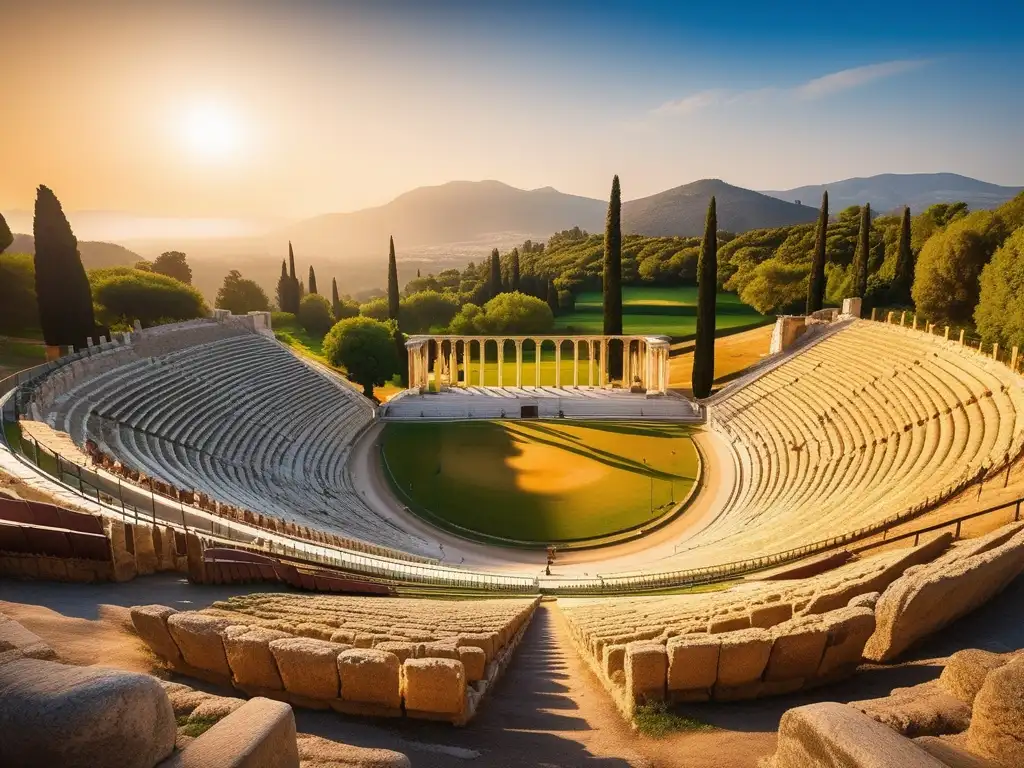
889,191
456,212
94,255
681,211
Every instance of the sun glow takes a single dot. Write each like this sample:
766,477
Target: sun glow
211,131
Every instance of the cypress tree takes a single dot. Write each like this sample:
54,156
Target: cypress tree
284,288
816,285
612,278
335,299
312,280
394,305
860,262
62,287
903,279
515,270
394,300
495,281
707,293
552,297
6,238
294,291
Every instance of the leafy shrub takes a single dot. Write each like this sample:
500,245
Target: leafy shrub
315,314
125,294
365,348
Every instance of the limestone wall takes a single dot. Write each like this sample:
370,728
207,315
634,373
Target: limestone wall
314,664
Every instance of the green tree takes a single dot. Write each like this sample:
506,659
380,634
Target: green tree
315,314
776,286
903,278
707,292
376,309
552,297
508,313
494,283
18,307
365,348
514,269
173,264
145,265
312,280
335,298
394,298
612,278
122,294
428,310
6,238
816,285
240,296
999,315
860,261
946,287
294,293
62,287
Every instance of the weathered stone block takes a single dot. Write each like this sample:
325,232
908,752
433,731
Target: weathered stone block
767,616
848,631
369,676
646,667
997,726
198,638
797,651
965,672
693,662
434,685
308,667
475,662
150,622
250,658
743,656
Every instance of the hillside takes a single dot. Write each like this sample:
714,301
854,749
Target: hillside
94,254
681,211
889,191
457,212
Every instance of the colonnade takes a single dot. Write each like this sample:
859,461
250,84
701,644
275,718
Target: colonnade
644,361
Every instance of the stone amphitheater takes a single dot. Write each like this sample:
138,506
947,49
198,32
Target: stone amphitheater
860,497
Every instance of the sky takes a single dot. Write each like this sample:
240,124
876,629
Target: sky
287,110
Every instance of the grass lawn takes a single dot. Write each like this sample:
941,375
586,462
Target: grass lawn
19,353
666,311
541,481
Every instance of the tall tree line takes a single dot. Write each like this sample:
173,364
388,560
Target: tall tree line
394,308
816,284
612,278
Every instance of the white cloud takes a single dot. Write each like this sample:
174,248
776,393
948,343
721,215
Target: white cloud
812,89
852,78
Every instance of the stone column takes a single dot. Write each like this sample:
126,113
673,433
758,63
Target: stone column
536,362
590,362
627,362
558,362
482,346
453,364
501,362
602,379
575,363
519,363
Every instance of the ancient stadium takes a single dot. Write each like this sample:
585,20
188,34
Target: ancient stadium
504,553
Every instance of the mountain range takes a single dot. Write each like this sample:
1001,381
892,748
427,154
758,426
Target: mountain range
889,191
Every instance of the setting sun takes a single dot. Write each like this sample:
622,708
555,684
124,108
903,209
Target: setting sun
211,131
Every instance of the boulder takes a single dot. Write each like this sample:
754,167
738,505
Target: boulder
997,727
434,686
951,754
829,734
308,667
198,638
150,622
370,676
322,753
82,717
249,657
965,672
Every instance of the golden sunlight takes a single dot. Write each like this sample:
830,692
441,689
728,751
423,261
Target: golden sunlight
211,131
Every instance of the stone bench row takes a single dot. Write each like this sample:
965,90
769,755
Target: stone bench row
442,681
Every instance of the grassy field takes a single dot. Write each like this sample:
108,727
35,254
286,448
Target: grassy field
541,481
667,311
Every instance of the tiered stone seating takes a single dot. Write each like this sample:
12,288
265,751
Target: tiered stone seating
216,408
760,639
375,656
870,422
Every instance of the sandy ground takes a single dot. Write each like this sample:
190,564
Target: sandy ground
732,355
548,709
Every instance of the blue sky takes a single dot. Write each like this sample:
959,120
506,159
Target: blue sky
337,106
